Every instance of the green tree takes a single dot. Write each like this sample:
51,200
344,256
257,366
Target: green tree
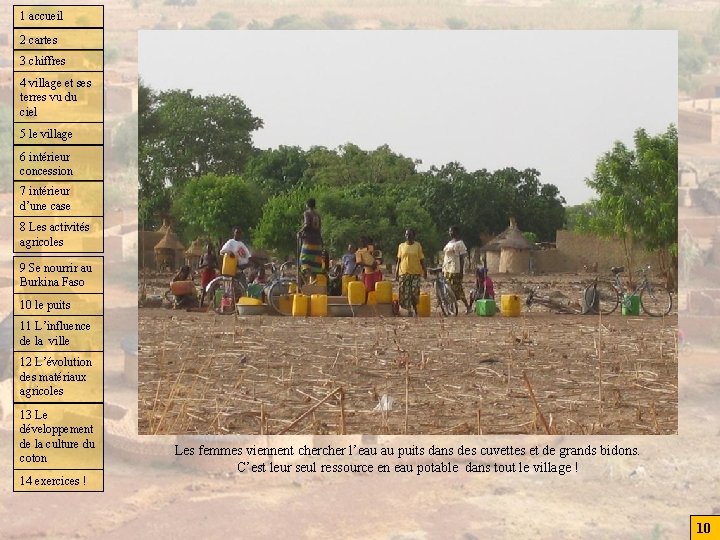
584,218
347,213
153,196
350,165
637,191
481,202
183,136
212,205
280,221
377,212
278,170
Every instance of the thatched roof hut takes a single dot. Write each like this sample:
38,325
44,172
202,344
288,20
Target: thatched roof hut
509,251
193,253
147,240
169,251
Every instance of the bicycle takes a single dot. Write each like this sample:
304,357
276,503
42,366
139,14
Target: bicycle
279,286
603,297
444,293
548,301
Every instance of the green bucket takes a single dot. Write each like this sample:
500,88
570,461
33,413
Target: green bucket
219,293
255,290
485,308
631,305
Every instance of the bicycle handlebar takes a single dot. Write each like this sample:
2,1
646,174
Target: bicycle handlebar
621,269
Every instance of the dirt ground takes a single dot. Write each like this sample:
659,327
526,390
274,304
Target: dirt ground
202,373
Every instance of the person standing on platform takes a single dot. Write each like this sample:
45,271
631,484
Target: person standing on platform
410,266
310,236
365,259
377,255
454,254
349,264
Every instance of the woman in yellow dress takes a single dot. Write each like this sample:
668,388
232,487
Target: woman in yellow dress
410,266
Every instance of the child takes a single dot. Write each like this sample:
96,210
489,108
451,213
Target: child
208,269
484,287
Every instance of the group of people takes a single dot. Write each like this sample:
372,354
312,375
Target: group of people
209,267
361,262
411,265
364,263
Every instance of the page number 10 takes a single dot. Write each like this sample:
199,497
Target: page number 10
705,527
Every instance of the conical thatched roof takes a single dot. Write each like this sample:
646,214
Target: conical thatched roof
511,237
165,227
170,241
195,249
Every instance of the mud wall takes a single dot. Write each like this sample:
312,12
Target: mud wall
574,251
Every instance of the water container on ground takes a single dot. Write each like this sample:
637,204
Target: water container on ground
345,281
300,305
356,293
631,305
510,305
485,307
424,305
383,290
319,305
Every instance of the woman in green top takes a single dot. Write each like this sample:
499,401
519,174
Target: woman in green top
410,266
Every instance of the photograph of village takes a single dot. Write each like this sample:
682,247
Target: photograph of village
519,327
674,476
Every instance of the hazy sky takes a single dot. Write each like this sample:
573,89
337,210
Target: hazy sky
551,100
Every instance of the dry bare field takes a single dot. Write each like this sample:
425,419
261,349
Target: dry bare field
542,372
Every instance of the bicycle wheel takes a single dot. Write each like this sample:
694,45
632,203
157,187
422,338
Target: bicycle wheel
275,293
232,290
216,284
656,300
601,298
446,300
